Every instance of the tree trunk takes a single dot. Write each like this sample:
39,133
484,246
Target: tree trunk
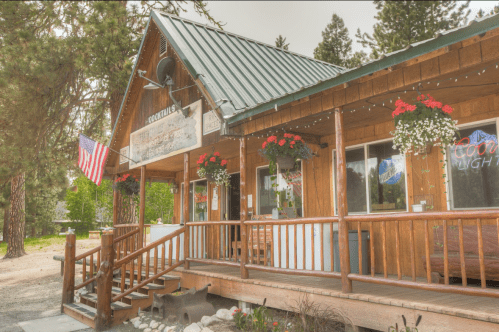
15,246
126,210
6,220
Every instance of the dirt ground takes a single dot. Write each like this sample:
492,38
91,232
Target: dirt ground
31,288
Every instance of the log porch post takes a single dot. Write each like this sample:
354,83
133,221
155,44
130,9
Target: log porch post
244,207
115,205
68,285
341,188
142,207
186,209
105,283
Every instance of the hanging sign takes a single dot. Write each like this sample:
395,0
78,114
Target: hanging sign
169,136
389,171
124,152
161,114
211,122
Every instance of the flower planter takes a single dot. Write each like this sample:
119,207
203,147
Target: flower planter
209,177
285,162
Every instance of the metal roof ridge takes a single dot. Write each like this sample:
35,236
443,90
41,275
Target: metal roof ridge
248,39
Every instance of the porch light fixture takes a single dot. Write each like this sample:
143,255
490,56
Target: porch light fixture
151,86
174,188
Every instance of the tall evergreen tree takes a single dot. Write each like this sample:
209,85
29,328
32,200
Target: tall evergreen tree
336,45
281,42
64,66
401,23
482,13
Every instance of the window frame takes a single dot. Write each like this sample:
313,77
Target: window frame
448,168
368,196
257,191
182,198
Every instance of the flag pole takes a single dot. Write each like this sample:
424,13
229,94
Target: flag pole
112,150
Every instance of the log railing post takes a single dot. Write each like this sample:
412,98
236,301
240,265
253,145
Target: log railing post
105,283
244,208
186,209
69,270
142,207
341,185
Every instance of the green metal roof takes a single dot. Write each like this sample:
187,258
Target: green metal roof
243,71
449,37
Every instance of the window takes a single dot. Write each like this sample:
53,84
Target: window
474,168
384,187
198,201
289,187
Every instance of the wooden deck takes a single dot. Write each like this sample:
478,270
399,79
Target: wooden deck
370,305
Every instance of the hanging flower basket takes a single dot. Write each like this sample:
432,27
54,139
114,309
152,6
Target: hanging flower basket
285,162
284,151
420,126
213,168
127,184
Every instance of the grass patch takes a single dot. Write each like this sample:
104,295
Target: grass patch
38,243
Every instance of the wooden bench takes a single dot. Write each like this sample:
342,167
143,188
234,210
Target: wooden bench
471,255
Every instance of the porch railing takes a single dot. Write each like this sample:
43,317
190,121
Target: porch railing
306,246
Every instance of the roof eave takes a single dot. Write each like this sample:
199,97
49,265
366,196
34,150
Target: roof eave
474,29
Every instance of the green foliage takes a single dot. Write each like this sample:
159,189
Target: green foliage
401,23
88,201
159,202
127,185
39,243
336,45
481,13
281,43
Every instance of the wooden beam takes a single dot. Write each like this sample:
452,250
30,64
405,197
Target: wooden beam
105,283
186,209
115,206
341,185
142,207
244,207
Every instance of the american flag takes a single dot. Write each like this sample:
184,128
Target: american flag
91,159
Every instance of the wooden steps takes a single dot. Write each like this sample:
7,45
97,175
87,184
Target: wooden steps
128,306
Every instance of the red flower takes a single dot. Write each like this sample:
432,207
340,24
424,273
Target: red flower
217,154
297,138
223,163
213,159
272,139
275,323
206,163
244,314
410,107
292,142
399,102
264,145
136,180
282,142
447,109
200,161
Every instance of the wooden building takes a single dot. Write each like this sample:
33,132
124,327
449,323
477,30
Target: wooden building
441,264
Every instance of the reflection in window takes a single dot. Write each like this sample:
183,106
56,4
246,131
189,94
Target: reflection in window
289,186
356,180
474,163
386,169
198,201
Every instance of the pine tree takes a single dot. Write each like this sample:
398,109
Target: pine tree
336,45
481,13
401,23
281,43
56,85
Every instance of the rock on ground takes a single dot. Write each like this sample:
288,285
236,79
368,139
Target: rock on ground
147,330
206,330
161,327
209,320
143,326
192,328
137,323
225,314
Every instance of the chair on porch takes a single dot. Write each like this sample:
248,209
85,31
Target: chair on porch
256,241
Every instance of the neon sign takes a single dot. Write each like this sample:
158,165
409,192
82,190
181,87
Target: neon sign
472,151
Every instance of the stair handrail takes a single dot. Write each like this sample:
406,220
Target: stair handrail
93,251
150,246
98,249
139,252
